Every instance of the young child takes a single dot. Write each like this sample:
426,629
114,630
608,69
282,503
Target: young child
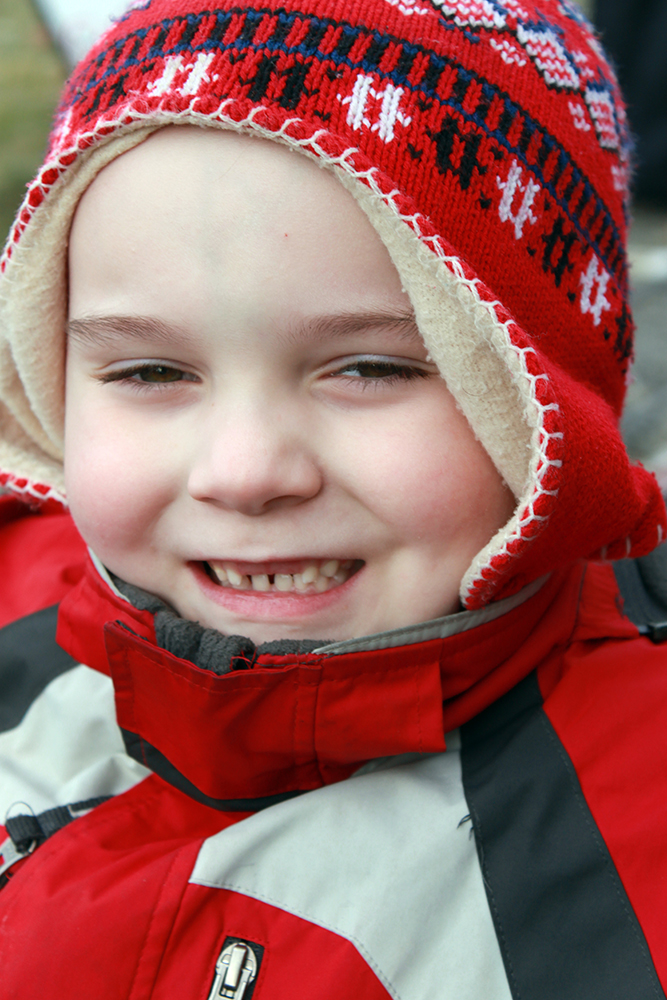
316,319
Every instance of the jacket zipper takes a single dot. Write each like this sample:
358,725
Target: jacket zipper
235,970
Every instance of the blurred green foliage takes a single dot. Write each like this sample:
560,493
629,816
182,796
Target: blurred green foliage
32,72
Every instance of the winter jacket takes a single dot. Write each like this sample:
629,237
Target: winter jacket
467,809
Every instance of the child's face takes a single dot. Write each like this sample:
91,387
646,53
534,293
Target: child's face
248,398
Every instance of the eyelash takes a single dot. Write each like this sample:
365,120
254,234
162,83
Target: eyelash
128,375
385,372
377,373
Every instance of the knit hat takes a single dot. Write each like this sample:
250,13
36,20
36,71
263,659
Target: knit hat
486,142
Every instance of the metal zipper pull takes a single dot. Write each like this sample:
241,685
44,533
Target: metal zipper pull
236,970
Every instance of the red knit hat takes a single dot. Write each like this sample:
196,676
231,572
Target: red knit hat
486,141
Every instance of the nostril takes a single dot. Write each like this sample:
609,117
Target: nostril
253,480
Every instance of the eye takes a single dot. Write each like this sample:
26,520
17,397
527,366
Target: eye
159,373
381,370
149,374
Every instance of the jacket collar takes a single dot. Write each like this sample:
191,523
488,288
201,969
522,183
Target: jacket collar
294,723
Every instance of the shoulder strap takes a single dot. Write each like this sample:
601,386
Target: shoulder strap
643,586
26,832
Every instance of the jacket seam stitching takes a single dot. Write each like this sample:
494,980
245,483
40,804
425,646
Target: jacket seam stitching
504,947
608,863
148,934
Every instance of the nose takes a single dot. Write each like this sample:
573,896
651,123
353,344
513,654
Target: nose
252,460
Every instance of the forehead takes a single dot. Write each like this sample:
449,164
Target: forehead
223,216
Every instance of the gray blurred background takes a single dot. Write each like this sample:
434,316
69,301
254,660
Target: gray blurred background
41,39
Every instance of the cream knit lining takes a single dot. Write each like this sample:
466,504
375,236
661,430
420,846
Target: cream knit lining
33,319
464,337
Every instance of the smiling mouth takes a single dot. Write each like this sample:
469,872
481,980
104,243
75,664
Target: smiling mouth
313,576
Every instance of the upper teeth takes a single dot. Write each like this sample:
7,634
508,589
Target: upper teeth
319,576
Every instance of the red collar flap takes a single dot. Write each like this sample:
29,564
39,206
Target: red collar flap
294,723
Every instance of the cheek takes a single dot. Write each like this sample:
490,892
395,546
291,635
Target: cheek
114,490
423,473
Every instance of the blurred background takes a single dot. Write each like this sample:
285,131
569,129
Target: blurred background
41,39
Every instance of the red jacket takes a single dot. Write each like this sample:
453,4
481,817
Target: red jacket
239,829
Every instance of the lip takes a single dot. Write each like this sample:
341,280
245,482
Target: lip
272,606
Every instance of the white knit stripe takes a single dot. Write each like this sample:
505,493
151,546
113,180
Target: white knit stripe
67,748
384,861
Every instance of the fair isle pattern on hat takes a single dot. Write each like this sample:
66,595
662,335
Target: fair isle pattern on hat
487,143
284,61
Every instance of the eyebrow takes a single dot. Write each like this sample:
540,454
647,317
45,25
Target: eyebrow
106,330
347,324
